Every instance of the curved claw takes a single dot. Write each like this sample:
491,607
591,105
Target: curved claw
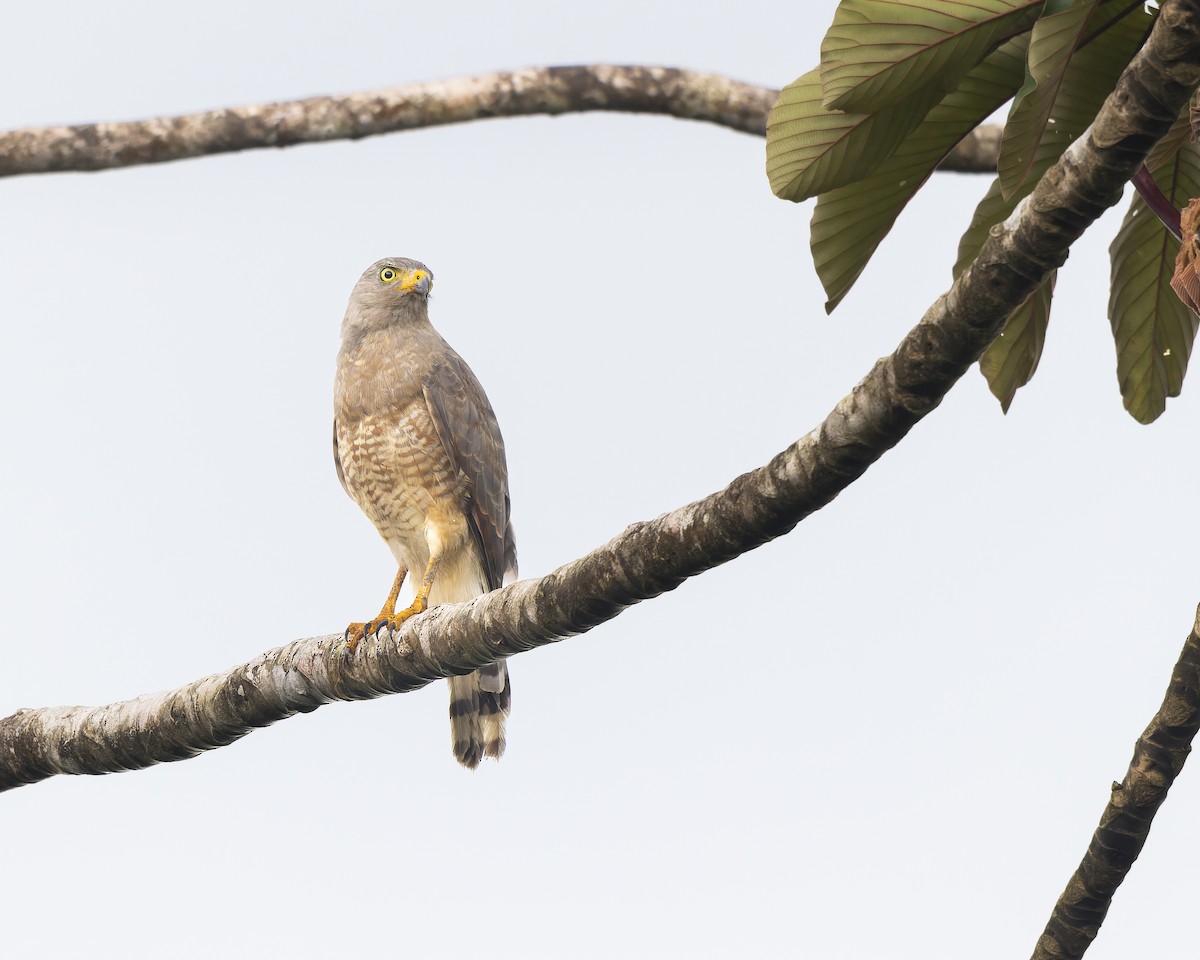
379,627
352,636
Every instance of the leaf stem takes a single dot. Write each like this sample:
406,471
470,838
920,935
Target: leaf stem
1157,201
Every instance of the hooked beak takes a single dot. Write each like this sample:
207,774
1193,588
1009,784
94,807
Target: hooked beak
418,281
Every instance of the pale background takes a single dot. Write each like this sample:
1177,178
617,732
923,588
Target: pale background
888,735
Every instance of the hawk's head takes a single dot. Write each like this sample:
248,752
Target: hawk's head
389,291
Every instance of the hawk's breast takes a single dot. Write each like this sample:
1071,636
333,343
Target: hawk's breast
397,471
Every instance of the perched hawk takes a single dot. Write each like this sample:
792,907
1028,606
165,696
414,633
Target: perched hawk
417,447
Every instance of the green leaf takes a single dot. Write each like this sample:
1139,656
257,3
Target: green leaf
1092,72
1009,363
878,52
850,222
1152,330
1166,148
811,149
1011,359
1054,39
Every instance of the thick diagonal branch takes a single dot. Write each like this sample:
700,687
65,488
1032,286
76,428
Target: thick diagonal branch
1157,760
540,90
655,556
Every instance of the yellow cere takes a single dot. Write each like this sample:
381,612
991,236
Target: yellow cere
413,279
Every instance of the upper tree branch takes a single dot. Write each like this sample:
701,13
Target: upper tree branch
655,556
542,90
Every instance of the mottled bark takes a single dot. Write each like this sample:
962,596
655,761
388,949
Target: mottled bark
976,152
541,90
655,556
1158,758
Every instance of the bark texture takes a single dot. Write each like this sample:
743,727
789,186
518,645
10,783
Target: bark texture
1158,758
541,90
652,557
976,152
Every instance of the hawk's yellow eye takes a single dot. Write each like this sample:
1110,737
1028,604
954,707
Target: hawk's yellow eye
387,274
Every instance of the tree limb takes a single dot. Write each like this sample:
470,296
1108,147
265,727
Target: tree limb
539,90
976,152
1158,758
652,557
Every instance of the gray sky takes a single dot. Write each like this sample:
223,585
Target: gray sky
889,734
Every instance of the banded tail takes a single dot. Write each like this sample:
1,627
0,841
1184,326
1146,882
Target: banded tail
479,704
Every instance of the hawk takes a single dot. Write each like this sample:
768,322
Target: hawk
417,447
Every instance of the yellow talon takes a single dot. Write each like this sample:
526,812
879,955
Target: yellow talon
387,616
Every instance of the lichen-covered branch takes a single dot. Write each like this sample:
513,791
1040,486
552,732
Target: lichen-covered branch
976,152
1158,758
652,557
540,90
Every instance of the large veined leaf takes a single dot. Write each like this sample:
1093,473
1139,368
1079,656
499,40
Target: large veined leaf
1053,41
1152,330
878,52
1092,72
1011,366
850,222
1009,361
1166,148
811,149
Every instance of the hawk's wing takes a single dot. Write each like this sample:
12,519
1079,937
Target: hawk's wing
337,460
470,436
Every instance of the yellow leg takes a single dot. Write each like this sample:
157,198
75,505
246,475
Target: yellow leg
387,617
421,600
389,605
